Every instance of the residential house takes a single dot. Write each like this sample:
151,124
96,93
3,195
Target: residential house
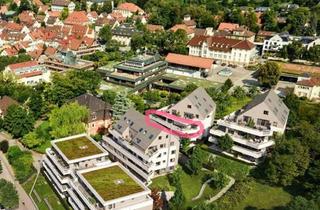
29,72
77,18
223,50
80,171
308,87
99,113
129,9
59,5
188,65
5,103
252,128
147,151
124,33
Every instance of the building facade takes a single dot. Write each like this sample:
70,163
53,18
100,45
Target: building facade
308,87
147,151
252,127
222,49
28,73
73,165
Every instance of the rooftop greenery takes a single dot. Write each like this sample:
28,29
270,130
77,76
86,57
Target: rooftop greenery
112,182
78,148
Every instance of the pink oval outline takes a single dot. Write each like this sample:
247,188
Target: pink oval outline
149,122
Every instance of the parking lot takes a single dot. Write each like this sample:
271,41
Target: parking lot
240,76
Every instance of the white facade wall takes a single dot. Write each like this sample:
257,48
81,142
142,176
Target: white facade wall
312,93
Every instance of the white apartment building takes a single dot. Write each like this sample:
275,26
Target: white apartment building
308,87
59,5
128,9
197,106
222,49
278,41
252,127
80,170
28,73
147,151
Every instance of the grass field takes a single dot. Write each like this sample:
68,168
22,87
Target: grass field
264,196
191,185
43,192
236,104
183,81
292,68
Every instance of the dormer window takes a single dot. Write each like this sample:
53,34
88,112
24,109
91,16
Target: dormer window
189,106
265,112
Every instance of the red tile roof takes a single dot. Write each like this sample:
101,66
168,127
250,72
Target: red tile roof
5,102
50,51
11,26
219,43
187,60
77,17
16,66
30,74
130,7
310,82
228,26
154,28
182,27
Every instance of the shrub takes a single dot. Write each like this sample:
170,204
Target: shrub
4,146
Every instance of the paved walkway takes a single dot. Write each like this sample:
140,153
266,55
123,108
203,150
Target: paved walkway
203,187
223,190
25,203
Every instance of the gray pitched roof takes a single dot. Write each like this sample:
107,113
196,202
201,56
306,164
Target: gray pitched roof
273,101
92,103
201,100
140,134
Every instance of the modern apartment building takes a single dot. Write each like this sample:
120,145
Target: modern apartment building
252,127
137,72
197,106
29,72
147,151
123,33
222,49
80,170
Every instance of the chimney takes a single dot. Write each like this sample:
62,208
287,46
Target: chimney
112,5
187,18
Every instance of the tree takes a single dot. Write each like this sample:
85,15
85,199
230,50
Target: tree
239,92
157,200
31,140
197,159
295,50
225,142
9,198
227,85
219,180
297,19
109,96
301,203
105,34
24,5
270,20
35,104
18,121
178,199
121,105
175,177
68,120
289,160
64,14
184,144
138,102
269,74
4,146
253,91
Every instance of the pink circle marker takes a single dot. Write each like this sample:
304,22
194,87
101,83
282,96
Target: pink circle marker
149,122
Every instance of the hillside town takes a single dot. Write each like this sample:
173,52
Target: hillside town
159,105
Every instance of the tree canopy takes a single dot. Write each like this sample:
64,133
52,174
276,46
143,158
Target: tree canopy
269,73
9,198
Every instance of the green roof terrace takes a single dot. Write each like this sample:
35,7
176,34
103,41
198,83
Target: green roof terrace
76,147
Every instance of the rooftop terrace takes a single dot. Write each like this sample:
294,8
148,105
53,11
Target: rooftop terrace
78,147
112,182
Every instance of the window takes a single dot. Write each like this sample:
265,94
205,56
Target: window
189,106
172,160
157,163
171,143
173,152
275,124
162,145
265,112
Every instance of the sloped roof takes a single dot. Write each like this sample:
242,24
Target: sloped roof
188,60
228,26
129,7
310,82
93,103
15,66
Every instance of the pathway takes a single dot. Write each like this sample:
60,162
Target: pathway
223,190
203,187
25,203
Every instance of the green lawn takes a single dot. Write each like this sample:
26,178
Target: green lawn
232,168
183,81
264,196
114,87
236,104
42,148
45,192
191,185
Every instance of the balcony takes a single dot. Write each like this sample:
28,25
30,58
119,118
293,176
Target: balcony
248,152
61,179
85,196
58,162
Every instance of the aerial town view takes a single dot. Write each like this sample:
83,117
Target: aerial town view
159,105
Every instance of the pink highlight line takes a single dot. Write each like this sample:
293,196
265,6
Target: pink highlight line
149,122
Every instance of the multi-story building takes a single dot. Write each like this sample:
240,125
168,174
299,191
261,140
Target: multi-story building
252,127
147,151
79,169
128,9
29,72
99,113
137,72
222,49
59,5
197,106
308,87
123,33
